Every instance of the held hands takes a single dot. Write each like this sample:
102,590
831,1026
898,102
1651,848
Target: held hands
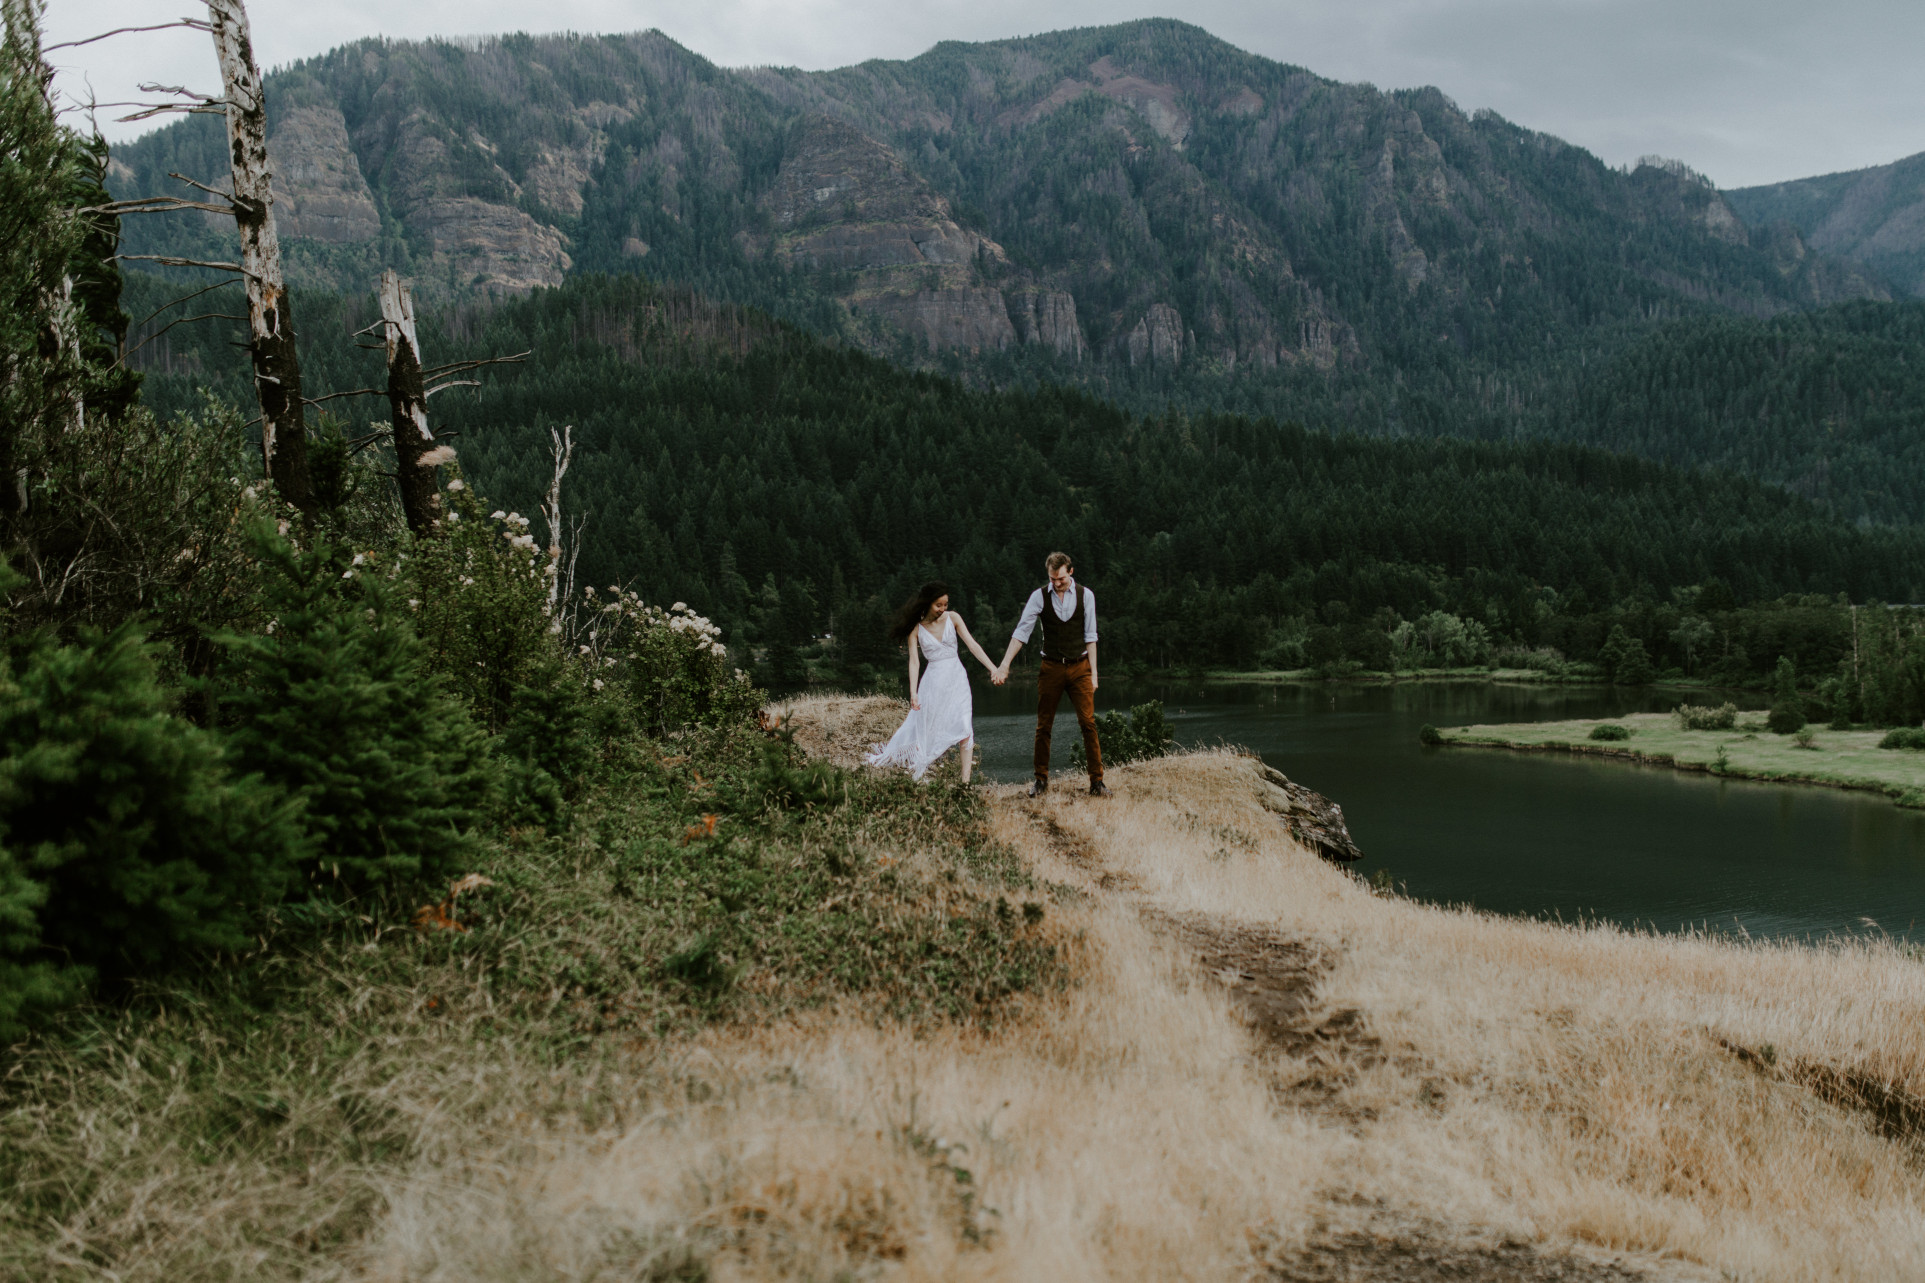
999,675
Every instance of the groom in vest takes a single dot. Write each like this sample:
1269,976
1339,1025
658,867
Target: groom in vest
1067,612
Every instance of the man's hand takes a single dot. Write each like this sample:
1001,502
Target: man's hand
1093,683
998,676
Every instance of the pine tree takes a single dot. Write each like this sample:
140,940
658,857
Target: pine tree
129,839
335,703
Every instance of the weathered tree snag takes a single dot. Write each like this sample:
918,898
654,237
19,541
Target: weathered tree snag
415,453
270,316
564,452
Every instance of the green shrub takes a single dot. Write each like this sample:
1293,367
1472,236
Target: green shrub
1787,714
1911,737
551,747
1429,735
1610,731
1695,717
335,702
1140,734
1806,738
481,606
128,839
671,664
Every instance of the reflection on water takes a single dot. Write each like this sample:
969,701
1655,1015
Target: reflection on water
1541,834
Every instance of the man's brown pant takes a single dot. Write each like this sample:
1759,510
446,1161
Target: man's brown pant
1051,684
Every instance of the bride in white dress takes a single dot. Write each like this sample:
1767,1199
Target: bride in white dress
942,712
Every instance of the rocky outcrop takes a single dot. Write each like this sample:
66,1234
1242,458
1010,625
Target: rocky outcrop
975,320
492,245
1406,255
1310,817
1157,338
320,194
1048,318
848,204
860,246
835,173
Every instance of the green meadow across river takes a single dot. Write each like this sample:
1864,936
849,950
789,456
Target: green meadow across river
1838,759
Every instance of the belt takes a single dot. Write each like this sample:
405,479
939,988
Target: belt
1057,659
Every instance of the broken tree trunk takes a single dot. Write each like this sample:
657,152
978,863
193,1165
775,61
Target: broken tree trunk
270,314
415,453
564,452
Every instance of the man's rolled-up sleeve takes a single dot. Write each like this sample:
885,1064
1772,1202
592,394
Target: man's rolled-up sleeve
1032,610
1089,617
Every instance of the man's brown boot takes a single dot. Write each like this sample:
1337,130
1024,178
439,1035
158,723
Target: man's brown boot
1038,786
1099,789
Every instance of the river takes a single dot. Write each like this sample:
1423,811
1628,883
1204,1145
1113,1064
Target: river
1538,834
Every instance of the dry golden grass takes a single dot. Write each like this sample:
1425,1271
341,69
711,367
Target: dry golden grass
1558,1085
1564,1087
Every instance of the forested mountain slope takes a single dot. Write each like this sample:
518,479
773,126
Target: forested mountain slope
1141,195
788,487
1874,217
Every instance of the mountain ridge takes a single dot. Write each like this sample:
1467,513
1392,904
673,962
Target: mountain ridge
1135,195
1874,216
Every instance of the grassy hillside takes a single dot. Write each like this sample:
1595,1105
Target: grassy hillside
1257,1065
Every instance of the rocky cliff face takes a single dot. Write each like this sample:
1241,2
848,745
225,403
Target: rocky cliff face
320,194
1048,319
1157,338
973,320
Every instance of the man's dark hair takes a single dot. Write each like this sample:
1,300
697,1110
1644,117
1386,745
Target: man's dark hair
1057,561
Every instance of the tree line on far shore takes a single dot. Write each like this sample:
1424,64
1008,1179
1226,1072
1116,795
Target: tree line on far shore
792,490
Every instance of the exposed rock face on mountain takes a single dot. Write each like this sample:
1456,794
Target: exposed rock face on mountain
1872,217
974,320
320,195
492,245
1157,338
843,202
1141,194
1048,318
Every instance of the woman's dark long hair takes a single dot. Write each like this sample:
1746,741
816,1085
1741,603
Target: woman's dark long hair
912,611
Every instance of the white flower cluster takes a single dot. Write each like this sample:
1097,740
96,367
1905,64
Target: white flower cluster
628,611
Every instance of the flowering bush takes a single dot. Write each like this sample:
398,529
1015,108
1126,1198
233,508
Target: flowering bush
671,663
481,604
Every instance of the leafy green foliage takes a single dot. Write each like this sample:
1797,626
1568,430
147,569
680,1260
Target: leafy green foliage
1610,731
336,702
1787,714
482,605
1624,658
1135,736
1695,717
129,839
1905,737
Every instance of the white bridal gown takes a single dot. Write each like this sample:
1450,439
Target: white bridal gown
948,713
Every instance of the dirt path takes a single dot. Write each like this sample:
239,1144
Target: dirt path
1313,1054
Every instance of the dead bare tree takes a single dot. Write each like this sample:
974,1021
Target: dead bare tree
561,580
416,455
270,313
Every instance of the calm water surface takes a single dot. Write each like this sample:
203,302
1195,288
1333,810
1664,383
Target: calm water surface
1538,834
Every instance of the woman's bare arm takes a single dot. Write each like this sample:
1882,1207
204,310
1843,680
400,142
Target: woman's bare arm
915,654
970,641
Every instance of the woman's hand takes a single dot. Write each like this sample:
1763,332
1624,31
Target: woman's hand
915,703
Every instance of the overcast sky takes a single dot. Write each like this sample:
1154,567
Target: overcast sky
1748,91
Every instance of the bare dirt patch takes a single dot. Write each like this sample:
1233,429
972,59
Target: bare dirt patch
1272,979
1391,1249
